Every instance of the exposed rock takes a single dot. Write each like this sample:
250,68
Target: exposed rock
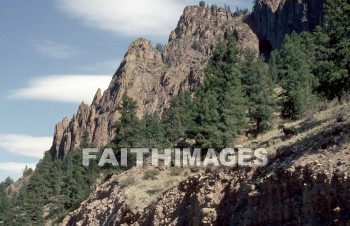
151,78
106,204
275,18
283,152
304,186
58,136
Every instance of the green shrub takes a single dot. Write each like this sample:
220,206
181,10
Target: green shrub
176,171
159,48
150,174
195,46
186,173
128,182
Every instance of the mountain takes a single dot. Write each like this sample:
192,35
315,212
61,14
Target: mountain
296,107
306,183
152,78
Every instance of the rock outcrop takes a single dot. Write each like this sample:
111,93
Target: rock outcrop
273,19
310,186
306,182
152,78
106,204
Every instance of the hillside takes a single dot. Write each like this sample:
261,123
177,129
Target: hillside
306,182
276,78
152,78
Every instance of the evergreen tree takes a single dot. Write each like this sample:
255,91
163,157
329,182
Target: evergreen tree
159,47
127,128
178,118
85,140
333,50
295,62
8,181
259,91
220,104
27,171
151,133
4,200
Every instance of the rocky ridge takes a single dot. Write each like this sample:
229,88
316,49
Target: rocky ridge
152,78
307,180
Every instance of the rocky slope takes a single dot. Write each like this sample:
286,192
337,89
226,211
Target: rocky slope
307,182
152,78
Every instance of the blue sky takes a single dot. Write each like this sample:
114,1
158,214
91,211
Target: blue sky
57,53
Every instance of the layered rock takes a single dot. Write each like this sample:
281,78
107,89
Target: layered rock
273,19
152,78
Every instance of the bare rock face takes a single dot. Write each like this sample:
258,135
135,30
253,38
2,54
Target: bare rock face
274,19
309,185
152,78
106,204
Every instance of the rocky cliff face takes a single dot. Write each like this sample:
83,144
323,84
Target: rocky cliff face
152,78
273,19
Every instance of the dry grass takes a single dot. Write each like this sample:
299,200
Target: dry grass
143,191
311,124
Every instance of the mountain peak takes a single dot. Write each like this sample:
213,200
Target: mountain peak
97,98
151,78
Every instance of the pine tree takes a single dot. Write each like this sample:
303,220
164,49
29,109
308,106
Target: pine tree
4,200
220,103
159,48
295,62
85,140
259,91
178,118
127,128
333,50
151,132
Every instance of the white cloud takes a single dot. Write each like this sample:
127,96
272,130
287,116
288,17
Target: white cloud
62,88
15,167
132,17
144,18
56,50
25,145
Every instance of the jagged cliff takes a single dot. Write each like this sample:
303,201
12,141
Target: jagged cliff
273,19
152,78
306,181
